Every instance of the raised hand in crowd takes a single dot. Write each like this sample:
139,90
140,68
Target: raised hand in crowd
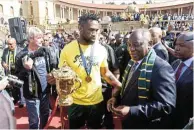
27,62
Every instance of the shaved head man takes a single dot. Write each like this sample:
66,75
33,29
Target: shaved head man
184,46
159,48
184,79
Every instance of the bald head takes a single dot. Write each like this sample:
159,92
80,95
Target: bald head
184,45
11,43
141,35
139,44
186,37
11,40
119,38
156,34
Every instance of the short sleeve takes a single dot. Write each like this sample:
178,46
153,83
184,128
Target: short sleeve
104,62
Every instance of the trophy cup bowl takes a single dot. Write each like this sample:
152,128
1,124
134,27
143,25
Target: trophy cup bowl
66,84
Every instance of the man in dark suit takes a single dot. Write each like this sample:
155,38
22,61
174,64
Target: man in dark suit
8,57
8,63
159,48
148,93
184,79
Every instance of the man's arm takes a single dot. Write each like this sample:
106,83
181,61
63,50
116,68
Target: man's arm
116,73
170,50
111,79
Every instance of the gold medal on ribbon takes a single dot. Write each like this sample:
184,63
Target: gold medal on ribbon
88,79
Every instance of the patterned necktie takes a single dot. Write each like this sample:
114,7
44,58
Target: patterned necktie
178,72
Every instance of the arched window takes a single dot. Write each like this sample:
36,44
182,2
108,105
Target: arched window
21,12
11,11
1,8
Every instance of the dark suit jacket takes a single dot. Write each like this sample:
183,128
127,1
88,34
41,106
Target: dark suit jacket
162,98
5,54
184,103
161,51
4,57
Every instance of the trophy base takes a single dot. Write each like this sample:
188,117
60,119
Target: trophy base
67,101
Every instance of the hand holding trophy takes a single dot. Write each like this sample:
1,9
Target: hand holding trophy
66,82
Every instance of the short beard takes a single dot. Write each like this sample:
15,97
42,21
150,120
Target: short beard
89,41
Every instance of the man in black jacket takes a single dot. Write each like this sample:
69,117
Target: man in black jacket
32,66
148,93
184,79
159,48
8,63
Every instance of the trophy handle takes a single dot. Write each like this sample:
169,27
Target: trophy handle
74,89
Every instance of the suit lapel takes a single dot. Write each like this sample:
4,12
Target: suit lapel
176,64
186,74
132,81
156,46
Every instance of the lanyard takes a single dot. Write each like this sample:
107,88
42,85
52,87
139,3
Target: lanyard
87,67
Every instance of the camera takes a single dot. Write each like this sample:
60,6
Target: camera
39,53
14,81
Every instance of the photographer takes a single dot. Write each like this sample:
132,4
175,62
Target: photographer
7,121
32,66
8,63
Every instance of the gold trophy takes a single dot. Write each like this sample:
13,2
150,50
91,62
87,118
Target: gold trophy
66,82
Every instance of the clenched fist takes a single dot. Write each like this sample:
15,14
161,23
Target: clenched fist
27,62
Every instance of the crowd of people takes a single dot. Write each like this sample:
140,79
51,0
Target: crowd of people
144,77
153,17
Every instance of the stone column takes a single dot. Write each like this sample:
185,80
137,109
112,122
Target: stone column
64,13
103,14
178,11
189,10
72,14
181,10
54,11
78,12
61,12
69,14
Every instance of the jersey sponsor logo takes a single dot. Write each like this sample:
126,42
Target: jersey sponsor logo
78,60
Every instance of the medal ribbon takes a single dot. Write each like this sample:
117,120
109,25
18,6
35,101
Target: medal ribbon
88,68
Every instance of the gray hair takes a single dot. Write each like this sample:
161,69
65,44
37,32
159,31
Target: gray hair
156,30
33,32
12,40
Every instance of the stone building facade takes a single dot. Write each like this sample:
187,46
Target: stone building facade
41,12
